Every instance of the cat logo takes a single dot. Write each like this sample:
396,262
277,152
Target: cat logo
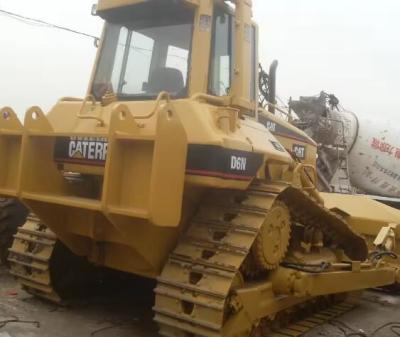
299,151
238,163
271,126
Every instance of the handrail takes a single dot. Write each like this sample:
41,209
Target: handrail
162,95
83,116
276,107
224,100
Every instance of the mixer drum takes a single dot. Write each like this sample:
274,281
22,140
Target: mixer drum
374,160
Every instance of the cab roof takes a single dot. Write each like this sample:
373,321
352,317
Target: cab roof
104,5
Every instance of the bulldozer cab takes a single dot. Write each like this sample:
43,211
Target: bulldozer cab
145,53
181,47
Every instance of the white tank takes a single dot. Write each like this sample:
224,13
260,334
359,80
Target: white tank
374,158
355,154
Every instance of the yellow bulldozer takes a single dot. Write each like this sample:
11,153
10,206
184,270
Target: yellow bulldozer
165,170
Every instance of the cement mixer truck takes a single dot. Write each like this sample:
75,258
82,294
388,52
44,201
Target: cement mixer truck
355,154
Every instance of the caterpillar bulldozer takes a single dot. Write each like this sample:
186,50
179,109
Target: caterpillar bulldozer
166,170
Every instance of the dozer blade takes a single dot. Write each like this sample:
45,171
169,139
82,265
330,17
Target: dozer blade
367,216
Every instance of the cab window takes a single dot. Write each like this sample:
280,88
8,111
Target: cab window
146,50
222,52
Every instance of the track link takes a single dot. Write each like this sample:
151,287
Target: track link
194,289
194,286
29,258
12,215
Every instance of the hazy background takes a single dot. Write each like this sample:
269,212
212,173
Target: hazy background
347,47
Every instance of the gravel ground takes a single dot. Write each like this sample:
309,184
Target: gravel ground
129,314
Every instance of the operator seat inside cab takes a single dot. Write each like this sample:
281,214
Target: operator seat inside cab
165,79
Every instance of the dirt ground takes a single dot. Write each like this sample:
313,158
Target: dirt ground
123,313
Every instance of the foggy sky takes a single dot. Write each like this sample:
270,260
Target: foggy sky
347,47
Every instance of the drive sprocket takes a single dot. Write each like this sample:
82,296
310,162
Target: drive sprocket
272,242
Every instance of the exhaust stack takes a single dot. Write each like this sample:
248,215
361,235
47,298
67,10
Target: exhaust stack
272,86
